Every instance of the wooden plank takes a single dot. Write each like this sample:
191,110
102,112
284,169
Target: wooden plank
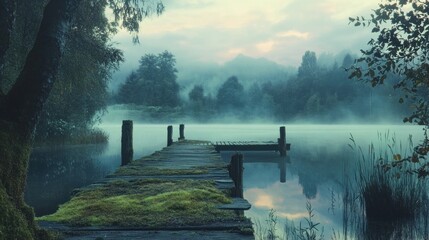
237,204
250,147
160,235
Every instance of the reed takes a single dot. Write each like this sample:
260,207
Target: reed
391,197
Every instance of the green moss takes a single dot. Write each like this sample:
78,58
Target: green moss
13,224
145,203
16,218
14,153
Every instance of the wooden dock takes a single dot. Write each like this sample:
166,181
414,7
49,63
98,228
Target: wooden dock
184,167
184,191
248,146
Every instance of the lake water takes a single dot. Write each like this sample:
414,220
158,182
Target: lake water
312,171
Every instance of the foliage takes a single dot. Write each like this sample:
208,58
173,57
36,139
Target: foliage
402,48
196,94
318,93
230,95
309,230
272,225
202,107
80,92
23,97
306,231
129,13
308,66
154,82
390,200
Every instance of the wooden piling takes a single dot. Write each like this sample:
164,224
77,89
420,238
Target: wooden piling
282,166
282,141
181,132
236,173
127,142
169,135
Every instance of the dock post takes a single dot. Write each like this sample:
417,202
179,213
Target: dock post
169,135
181,132
127,142
282,166
236,173
282,141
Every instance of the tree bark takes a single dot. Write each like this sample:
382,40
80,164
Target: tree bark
24,102
7,16
19,113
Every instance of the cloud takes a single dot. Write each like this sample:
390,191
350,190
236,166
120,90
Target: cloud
265,47
294,34
279,30
292,216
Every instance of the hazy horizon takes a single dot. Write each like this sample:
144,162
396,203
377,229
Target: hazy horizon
208,32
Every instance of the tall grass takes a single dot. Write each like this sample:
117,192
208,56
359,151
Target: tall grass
379,196
308,229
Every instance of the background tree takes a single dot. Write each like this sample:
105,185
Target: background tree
153,84
22,105
230,95
127,92
401,48
308,67
201,106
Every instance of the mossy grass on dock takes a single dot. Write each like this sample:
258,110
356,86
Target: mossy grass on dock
147,203
172,189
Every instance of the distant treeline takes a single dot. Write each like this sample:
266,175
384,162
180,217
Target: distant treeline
315,93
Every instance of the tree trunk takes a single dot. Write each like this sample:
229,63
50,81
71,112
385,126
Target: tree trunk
7,15
19,113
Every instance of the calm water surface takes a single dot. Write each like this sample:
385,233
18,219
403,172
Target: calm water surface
312,171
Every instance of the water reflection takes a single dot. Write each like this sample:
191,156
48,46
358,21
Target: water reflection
55,172
313,171
319,164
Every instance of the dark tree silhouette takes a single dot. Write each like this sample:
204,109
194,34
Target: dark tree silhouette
230,94
22,105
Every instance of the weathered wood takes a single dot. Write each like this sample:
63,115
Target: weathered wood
200,234
282,141
184,155
169,135
282,166
181,132
127,142
249,147
236,173
237,204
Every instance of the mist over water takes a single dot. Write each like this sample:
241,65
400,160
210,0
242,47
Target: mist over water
314,167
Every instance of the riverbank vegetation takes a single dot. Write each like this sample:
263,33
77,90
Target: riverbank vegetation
382,201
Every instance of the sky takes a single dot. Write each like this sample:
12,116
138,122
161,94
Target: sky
216,31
